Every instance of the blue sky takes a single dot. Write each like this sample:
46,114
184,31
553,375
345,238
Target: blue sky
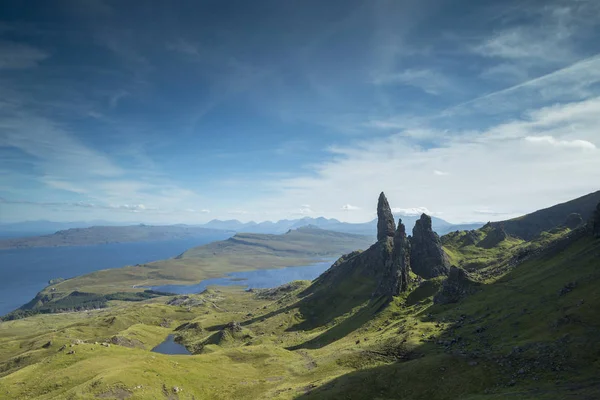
263,110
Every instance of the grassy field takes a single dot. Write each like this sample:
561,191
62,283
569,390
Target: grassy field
531,333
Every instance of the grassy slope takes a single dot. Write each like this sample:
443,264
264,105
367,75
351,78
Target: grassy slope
529,226
518,337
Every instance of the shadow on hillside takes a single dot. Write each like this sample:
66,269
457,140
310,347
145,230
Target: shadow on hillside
346,327
491,341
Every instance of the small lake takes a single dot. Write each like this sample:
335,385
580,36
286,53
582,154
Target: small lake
169,346
257,279
24,272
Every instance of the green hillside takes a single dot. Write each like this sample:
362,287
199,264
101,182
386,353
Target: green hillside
517,319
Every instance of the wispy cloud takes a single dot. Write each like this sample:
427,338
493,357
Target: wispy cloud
430,81
414,211
573,144
350,207
16,55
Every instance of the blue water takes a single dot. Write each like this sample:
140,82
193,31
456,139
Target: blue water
169,346
257,279
24,272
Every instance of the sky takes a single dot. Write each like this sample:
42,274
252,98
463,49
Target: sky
183,112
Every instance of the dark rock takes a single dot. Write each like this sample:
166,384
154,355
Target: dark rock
573,221
125,342
470,238
47,344
567,288
458,285
596,222
397,264
495,235
385,219
234,326
427,258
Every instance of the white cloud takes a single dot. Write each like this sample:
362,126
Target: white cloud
496,166
17,56
440,173
428,80
205,211
415,211
549,140
349,207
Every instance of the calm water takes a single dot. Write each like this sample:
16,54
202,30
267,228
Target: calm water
24,272
258,279
169,346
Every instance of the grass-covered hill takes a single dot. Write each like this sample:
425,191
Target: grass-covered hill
514,319
241,252
531,225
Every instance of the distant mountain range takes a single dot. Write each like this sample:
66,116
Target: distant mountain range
366,228
37,228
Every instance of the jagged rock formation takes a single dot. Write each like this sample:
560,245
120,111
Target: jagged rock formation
427,258
397,264
458,285
596,222
495,235
573,221
385,219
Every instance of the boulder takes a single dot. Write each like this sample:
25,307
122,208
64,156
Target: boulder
458,285
427,258
385,219
573,221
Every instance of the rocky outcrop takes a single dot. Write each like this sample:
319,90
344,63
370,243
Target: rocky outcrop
385,219
401,257
574,221
494,236
596,222
427,258
458,285
396,258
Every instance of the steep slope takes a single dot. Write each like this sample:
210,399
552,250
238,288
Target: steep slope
531,225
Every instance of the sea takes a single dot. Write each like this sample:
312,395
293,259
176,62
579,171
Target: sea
24,272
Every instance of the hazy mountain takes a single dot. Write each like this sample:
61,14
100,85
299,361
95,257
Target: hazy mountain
366,228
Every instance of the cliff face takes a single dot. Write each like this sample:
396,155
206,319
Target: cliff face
427,258
385,219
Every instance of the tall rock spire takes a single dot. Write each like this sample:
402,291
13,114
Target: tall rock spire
401,258
386,226
427,258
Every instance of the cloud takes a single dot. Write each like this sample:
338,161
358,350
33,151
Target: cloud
549,140
572,83
440,173
114,99
495,166
415,211
349,207
18,56
430,81
183,46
